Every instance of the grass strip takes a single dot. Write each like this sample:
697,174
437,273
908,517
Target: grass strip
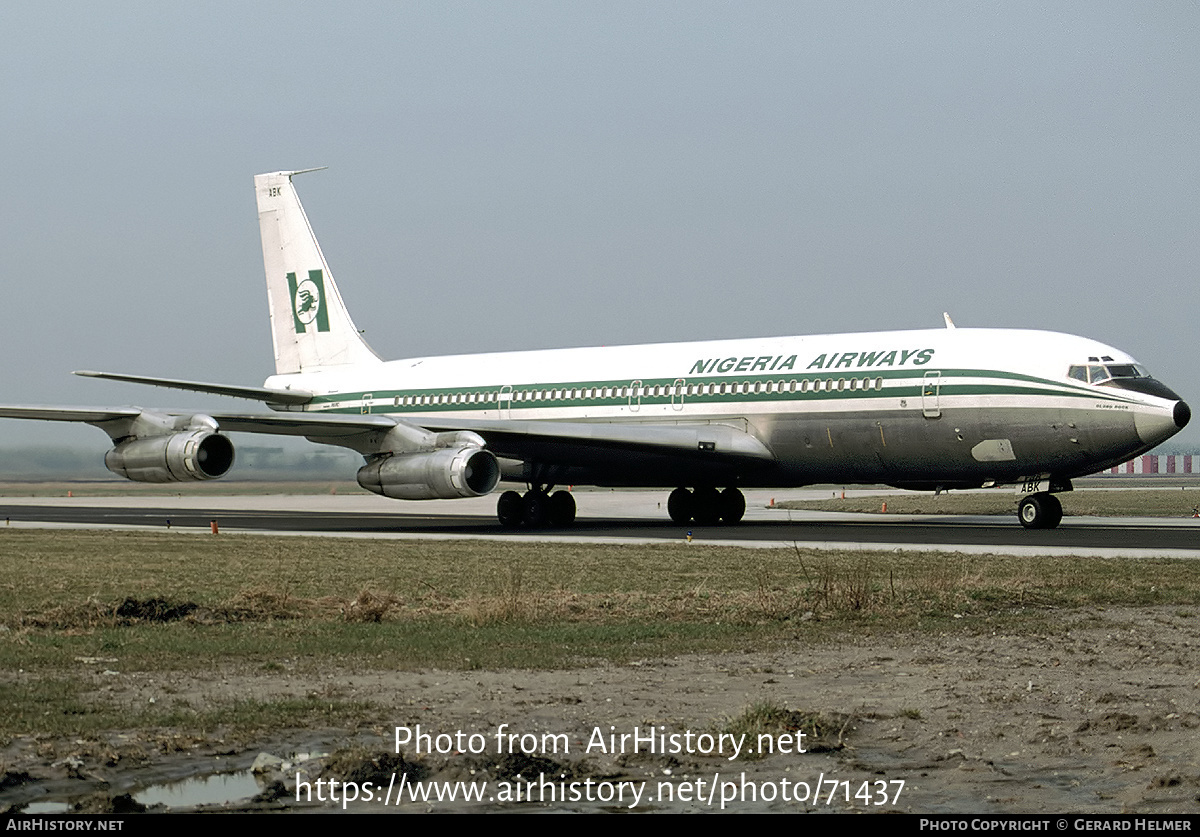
77,605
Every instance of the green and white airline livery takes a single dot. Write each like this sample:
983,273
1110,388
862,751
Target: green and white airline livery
928,410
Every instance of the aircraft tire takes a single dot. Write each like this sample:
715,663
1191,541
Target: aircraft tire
1040,511
535,507
679,506
1054,512
707,506
561,511
510,509
733,505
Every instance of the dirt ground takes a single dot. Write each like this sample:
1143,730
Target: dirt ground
1101,717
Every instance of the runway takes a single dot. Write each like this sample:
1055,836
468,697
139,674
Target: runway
612,517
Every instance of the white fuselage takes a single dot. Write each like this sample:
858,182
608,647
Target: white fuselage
923,408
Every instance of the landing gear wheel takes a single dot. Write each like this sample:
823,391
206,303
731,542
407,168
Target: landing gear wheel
706,506
1040,511
561,509
510,509
1055,512
679,506
1029,512
733,505
535,508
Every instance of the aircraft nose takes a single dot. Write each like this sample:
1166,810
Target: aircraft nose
1183,414
1155,425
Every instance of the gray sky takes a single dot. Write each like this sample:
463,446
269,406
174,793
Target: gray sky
531,175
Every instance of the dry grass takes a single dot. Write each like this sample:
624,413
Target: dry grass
78,581
166,603
821,732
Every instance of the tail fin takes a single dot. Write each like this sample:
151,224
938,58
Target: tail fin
310,326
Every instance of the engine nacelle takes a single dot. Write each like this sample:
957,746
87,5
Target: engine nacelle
445,474
190,455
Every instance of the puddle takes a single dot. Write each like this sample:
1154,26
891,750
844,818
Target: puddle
220,788
214,789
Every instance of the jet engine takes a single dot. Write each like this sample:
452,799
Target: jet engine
443,474
190,455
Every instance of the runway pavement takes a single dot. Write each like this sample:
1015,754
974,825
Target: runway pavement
612,517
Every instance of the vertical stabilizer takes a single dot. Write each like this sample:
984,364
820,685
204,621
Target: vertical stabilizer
310,326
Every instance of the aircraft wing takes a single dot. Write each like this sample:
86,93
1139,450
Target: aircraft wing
117,421
328,429
281,424
87,415
565,444
564,440
556,442
600,453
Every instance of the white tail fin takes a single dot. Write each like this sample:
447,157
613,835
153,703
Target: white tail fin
310,326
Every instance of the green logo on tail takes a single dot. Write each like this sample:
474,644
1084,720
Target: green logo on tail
308,302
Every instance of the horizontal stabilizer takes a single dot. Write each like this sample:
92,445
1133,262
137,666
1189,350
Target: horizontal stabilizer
274,396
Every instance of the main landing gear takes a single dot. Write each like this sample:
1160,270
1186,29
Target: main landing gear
536,508
1039,511
706,506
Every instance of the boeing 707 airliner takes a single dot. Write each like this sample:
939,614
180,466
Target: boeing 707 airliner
935,409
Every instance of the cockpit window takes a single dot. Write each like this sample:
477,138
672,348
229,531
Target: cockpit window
1097,374
1126,370
1105,372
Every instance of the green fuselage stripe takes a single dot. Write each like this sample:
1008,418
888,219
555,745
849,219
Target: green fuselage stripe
909,383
